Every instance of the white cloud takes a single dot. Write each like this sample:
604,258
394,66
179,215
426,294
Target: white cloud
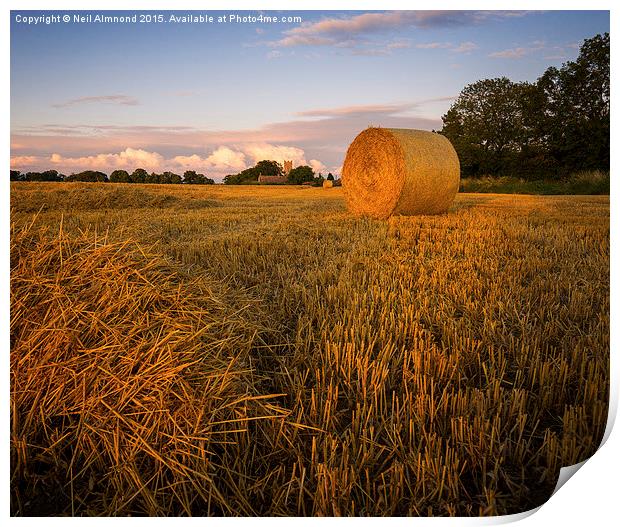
317,166
361,109
124,100
514,53
23,161
465,47
128,158
434,45
518,52
331,31
304,40
399,44
224,157
279,153
222,160
193,162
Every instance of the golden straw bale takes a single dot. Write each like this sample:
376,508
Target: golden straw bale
399,171
328,184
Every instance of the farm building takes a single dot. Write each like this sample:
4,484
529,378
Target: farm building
277,180
272,180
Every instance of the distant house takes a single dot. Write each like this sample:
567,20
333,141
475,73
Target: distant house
277,180
272,180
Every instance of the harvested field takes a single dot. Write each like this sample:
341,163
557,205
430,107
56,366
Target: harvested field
255,350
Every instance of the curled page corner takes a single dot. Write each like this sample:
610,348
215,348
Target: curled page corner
566,473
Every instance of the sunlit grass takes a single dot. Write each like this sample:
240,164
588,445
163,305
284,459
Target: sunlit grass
592,182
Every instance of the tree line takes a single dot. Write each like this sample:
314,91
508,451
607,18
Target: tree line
190,177
553,126
296,176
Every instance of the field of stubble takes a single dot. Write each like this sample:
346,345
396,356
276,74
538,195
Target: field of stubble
259,351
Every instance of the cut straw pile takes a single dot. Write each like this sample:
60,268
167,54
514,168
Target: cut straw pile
398,171
129,386
328,183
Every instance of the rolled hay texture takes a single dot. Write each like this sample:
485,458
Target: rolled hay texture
328,184
400,171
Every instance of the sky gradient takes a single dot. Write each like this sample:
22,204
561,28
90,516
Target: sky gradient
218,97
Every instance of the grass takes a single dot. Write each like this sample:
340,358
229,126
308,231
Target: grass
259,351
584,183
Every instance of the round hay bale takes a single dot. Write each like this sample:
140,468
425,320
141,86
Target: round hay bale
328,184
399,171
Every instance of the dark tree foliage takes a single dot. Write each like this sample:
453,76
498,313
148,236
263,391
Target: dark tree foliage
139,175
300,174
117,176
192,178
250,175
48,175
330,177
557,124
173,179
90,176
153,178
120,176
166,178
269,168
484,124
247,176
575,108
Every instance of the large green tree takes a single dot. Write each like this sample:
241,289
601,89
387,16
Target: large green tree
485,124
120,176
139,175
269,168
558,124
575,112
175,179
192,178
153,178
91,176
300,174
247,176
48,175
250,175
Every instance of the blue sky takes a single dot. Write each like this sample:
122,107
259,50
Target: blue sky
217,97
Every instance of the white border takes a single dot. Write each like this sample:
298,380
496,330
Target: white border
587,498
